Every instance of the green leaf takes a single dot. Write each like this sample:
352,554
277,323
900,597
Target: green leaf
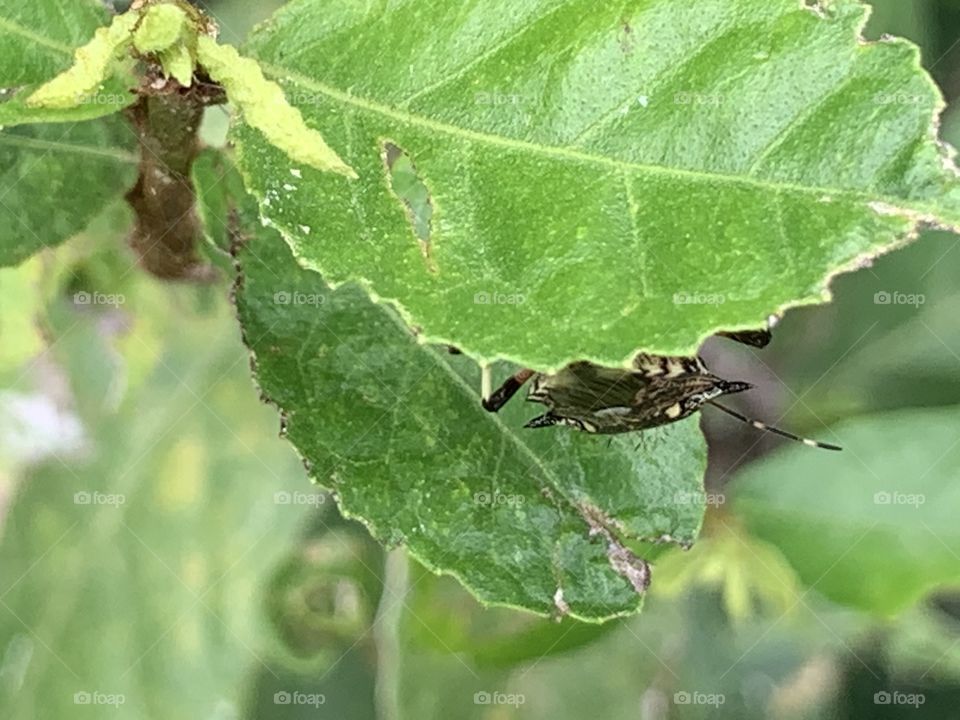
265,108
140,568
161,27
603,162
38,40
169,32
21,300
56,179
178,63
42,203
747,572
111,97
487,637
217,182
882,511
889,339
524,518
94,64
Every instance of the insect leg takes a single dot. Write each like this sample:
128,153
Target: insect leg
502,395
777,431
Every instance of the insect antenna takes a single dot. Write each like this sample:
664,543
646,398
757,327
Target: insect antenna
777,431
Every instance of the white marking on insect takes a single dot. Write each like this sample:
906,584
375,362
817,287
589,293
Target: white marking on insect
617,410
675,369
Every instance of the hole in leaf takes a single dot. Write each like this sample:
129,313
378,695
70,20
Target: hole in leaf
411,191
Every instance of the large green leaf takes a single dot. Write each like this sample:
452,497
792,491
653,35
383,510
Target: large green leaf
54,179
531,519
37,41
140,569
602,176
874,526
38,38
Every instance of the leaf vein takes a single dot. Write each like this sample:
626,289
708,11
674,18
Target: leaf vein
458,72
51,146
571,154
16,29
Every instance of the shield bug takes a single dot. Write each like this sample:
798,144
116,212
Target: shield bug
655,391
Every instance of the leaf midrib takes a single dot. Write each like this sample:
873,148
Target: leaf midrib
904,206
470,393
52,146
18,29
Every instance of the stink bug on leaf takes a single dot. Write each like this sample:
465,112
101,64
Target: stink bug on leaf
656,391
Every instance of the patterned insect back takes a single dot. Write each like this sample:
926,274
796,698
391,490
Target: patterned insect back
656,390
598,399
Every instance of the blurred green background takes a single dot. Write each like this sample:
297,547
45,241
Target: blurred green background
164,555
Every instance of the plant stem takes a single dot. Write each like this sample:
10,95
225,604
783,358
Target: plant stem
387,634
168,230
